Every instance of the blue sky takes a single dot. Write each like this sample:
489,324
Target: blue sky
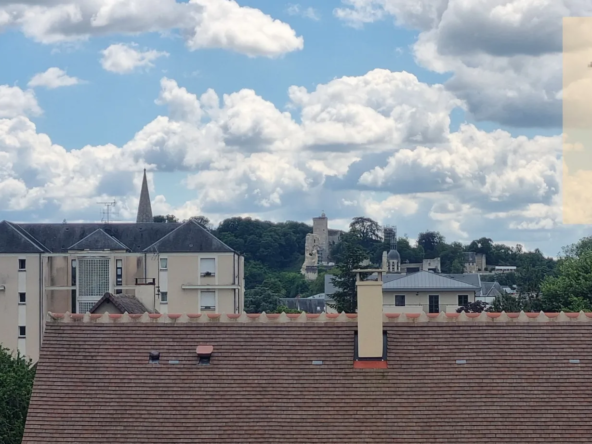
377,144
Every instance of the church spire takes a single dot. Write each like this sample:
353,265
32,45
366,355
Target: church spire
144,208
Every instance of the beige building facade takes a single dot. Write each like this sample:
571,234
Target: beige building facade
169,267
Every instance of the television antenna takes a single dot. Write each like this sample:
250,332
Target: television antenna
107,211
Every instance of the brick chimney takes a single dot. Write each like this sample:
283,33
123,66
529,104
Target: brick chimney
370,342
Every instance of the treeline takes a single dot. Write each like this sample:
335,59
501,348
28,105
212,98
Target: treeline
274,253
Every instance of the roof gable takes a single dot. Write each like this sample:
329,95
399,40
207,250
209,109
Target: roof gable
124,303
311,365
14,240
425,280
98,240
189,237
58,237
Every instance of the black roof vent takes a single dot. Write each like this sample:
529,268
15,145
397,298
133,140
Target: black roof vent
154,357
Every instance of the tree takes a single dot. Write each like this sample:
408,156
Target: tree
571,288
507,303
473,307
367,230
345,298
16,383
261,300
203,221
430,241
168,219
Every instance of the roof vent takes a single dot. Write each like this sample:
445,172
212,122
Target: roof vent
204,354
574,361
154,357
461,361
317,362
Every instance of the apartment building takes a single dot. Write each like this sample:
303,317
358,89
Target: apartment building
168,267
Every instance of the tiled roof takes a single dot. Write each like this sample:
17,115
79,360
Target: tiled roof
124,303
138,237
427,281
14,240
189,237
468,278
98,240
292,382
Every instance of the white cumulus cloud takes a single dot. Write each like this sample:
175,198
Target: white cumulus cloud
14,102
53,78
124,59
202,23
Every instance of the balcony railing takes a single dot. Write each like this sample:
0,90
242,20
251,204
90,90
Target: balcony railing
418,308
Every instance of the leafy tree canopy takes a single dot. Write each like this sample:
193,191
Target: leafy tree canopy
16,383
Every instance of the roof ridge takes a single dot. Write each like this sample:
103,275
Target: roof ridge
209,233
184,224
313,318
71,247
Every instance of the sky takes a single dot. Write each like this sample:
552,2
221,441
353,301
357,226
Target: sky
423,114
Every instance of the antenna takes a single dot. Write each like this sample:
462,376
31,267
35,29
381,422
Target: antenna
107,211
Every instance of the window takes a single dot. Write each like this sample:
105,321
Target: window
22,264
22,332
207,266
400,300
22,298
434,303
93,281
119,272
73,272
164,297
208,301
164,263
120,291
463,300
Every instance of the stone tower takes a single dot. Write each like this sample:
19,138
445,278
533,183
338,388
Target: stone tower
320,227
144,207
392,259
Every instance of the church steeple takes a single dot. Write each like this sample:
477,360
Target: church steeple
144,208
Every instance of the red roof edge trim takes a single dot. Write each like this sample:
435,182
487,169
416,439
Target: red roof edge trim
370,364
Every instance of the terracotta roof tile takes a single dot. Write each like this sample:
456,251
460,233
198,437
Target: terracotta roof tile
295,382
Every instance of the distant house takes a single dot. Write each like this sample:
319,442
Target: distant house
429,292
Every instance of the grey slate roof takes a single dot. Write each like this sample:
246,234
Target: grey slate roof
189,237
491,289
427,281
124,302
468,278
14,240
138,238
98,240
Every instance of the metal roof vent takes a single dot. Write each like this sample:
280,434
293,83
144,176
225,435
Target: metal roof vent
204,354
154,357
461,361
574,361
317,362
